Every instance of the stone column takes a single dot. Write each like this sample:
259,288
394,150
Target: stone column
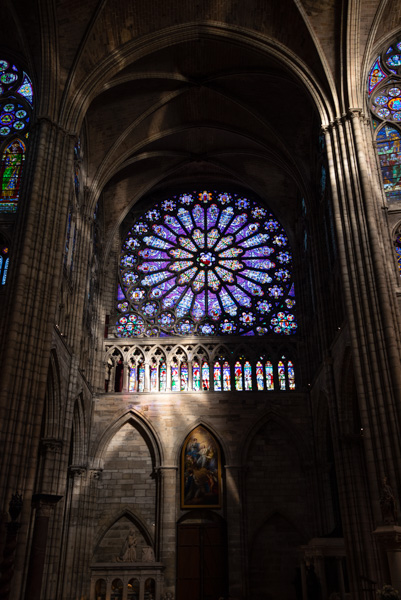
190,377
44,504
147,377
166,523
125,377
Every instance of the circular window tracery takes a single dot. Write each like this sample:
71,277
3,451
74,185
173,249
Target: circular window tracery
206,263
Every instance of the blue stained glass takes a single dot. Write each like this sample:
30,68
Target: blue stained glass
246,231
212,281
258,252
228,327
225,217
26,89
269,376
389,151
236,272
187,276
241,297
226,377
199,281
185,218
212,238
199,216
237,223
224,198
130,278
284,257
150,267
281,375
152,254
394,61
250,287
181,265
186,199
292,291
120,293
217,377
238,376
228,303
212,215
187,244
198,309
199,238
184,305
256,240
260,264
291,375
175,225
171,300
248,376
284,323
214,307
257,276
154,278
156,242
259,377
224,242
164,233
184,376
152,215
376,75
174,377
205,376
162,289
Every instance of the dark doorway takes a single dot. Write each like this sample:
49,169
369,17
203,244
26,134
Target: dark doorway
201,560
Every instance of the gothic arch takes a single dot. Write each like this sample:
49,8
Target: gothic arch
52,425
296,437
200,422
135,519
144,428
79,433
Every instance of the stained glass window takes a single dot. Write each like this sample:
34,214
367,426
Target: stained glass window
389,151
132,378
196,379
259,376
248,376
269,375
16,99
141,377
206,263
205,375
153,377
281,375
163,377
226,377
217,376
384,87
238,376
174,377
4,262
184,376
291,375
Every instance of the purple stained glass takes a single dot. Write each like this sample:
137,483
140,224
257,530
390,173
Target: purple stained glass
217,376
389,151
208,265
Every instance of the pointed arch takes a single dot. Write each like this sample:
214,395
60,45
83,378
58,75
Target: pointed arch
144,428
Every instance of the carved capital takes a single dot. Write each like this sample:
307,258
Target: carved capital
95,474
388,537
44,504
77,470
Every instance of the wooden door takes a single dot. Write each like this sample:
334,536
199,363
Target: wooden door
201,561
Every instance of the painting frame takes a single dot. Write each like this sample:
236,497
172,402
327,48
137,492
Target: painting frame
201,470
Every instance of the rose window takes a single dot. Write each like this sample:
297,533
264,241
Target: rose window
206,263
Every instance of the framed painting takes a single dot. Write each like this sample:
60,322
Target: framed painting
200,471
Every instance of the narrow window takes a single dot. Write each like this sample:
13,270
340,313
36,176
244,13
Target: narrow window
259,376
205,375
217,376
238,376
196,376
184,376
226,377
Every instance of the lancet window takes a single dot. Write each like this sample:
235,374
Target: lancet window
384,90
16,102
205,264
4,261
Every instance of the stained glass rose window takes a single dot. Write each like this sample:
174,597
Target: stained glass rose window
206,263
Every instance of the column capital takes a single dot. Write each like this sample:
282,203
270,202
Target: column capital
44,504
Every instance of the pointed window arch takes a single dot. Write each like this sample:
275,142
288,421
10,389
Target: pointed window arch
384,90
16,103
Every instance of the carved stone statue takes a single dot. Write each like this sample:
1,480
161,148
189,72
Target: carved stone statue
128,551
388,504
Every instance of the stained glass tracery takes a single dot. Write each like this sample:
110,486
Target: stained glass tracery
16,99
206,263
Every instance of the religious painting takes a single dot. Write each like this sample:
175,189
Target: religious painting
200,471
